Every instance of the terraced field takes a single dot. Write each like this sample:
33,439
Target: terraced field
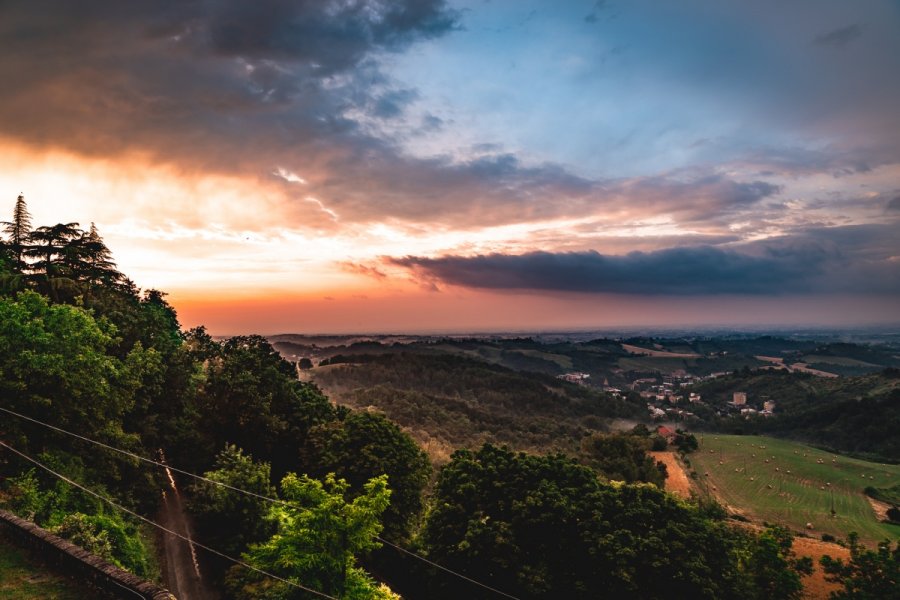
791,484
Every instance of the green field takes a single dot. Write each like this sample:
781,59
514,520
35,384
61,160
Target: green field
23,579
782,482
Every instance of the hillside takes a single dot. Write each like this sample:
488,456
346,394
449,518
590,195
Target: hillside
448,401
778,481
859,415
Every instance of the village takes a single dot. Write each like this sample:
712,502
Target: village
669,396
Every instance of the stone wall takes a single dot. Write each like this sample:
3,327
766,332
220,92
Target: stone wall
71,559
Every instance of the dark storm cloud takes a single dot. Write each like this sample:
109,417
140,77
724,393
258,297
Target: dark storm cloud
249,88
245,89
210,84
860,259
894,205
839,37
333,36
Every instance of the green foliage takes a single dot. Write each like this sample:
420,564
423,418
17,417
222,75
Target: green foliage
251,398
80,531
893,514
773,569
317,542
868,575
686,442
545,527
447,402
364,445
229,520
859,415
658,443
76,516
622,457
53,362
23,495
890,495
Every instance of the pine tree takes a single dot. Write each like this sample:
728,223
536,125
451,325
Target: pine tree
89,260
19,232
52,242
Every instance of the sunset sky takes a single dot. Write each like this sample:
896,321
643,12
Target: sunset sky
421,165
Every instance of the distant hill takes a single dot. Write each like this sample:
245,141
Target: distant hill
447,401
460,391
617,360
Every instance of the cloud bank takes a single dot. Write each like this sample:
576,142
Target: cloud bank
854,259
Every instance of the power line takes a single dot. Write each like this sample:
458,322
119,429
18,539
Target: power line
443,568
127,589
248,493
141,458
158,526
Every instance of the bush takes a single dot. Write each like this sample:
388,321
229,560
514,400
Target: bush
893,514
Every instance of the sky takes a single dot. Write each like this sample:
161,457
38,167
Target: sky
340,166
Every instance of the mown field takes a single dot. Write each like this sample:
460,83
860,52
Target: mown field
23,579
792,484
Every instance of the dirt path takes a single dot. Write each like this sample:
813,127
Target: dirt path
180,569
881,508
677,482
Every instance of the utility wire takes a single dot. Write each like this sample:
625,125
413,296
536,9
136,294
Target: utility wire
434,564
142,458
248,493
158,526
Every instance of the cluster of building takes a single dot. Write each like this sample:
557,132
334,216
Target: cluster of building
663,398
739,403
669,397
575,377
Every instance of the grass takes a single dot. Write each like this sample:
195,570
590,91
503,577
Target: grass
793,488
889,495
21,578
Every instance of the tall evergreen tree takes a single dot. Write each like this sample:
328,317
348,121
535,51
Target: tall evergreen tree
19,233
89,260
50,243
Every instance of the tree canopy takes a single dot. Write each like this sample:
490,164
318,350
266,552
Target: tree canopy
318,537
546,527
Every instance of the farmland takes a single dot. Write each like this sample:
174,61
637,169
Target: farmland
791,484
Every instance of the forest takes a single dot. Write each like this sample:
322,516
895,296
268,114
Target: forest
334,501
